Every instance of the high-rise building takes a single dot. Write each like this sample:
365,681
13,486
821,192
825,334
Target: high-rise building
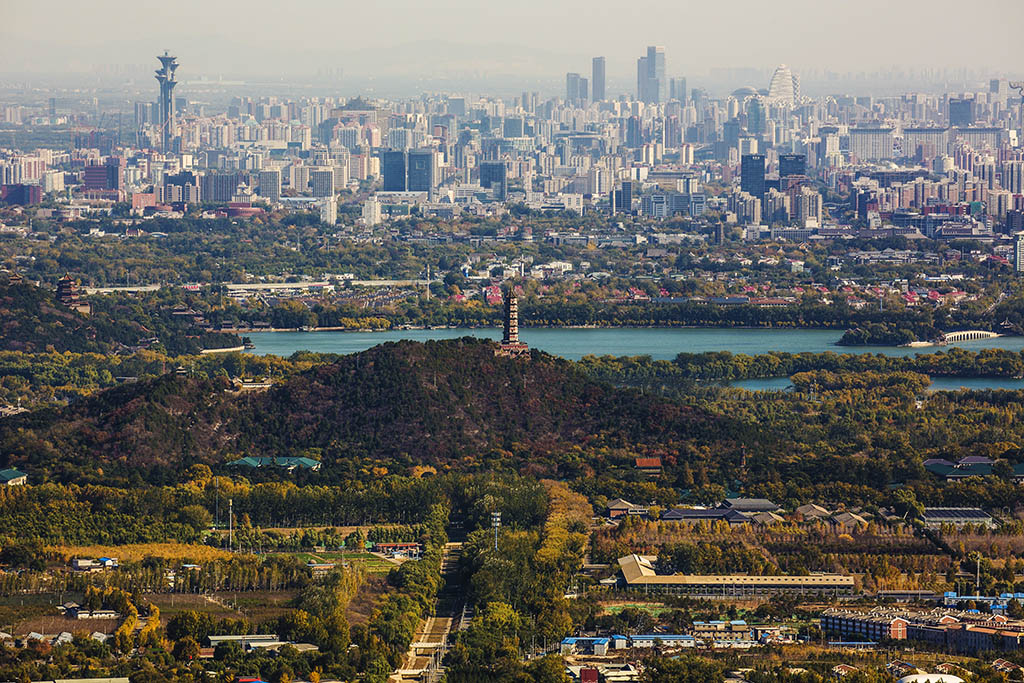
270,184
329,210
371,212
322,180
513,127
219,187
746,207
1013,176
422,171
752,174
622,199
457,106
494,176
393,167
651,85
634,132
792,164
165,77
871,144
756,119
597,79
677,89
641,79
575,89
1018,252
105,176
52,181
784,87
961,112
806,207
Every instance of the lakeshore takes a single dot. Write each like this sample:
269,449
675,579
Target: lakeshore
661,343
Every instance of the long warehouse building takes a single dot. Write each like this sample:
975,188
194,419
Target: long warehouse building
638,573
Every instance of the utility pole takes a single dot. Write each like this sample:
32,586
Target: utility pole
495,524
977,573
231,524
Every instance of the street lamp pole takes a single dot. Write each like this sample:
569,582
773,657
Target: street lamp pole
495,524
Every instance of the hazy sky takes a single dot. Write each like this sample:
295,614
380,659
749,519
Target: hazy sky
531,38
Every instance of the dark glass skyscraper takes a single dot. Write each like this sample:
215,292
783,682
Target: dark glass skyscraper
792,164
422,176
597,79
755,116
393,168
494,176
961,112
623,198
752,174
634,133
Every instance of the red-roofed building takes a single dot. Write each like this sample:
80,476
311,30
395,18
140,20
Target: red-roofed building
648,465
492,295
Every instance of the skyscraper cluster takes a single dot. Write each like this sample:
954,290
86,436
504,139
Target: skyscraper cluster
651,86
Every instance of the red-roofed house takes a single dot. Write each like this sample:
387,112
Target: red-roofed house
648,465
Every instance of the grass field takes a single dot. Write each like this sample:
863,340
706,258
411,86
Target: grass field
368,561
653,608
140,551
255,606
19,610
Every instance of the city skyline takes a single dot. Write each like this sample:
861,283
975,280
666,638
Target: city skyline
532,43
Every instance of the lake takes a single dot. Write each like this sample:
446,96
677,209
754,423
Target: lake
574,343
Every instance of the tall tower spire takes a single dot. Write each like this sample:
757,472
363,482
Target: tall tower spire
511,318
510,344
165,77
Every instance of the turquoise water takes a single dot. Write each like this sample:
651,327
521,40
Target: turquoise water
659,343
938,383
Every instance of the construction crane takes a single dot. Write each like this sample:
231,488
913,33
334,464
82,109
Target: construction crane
1019,87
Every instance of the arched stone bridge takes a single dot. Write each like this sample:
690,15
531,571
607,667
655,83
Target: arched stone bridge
968,335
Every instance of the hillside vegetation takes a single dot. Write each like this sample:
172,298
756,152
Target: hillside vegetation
448,403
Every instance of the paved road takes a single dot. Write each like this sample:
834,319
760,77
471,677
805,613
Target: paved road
423,661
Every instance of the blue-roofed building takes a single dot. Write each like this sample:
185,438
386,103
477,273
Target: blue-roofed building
288,463
12,477
592,646
970,466
666,640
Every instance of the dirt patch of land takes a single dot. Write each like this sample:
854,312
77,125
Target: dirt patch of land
365,600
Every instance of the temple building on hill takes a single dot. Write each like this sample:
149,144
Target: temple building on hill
68,293
510,344
67,290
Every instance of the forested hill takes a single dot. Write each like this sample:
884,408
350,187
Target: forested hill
445,403
150,429
31,319
440,400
